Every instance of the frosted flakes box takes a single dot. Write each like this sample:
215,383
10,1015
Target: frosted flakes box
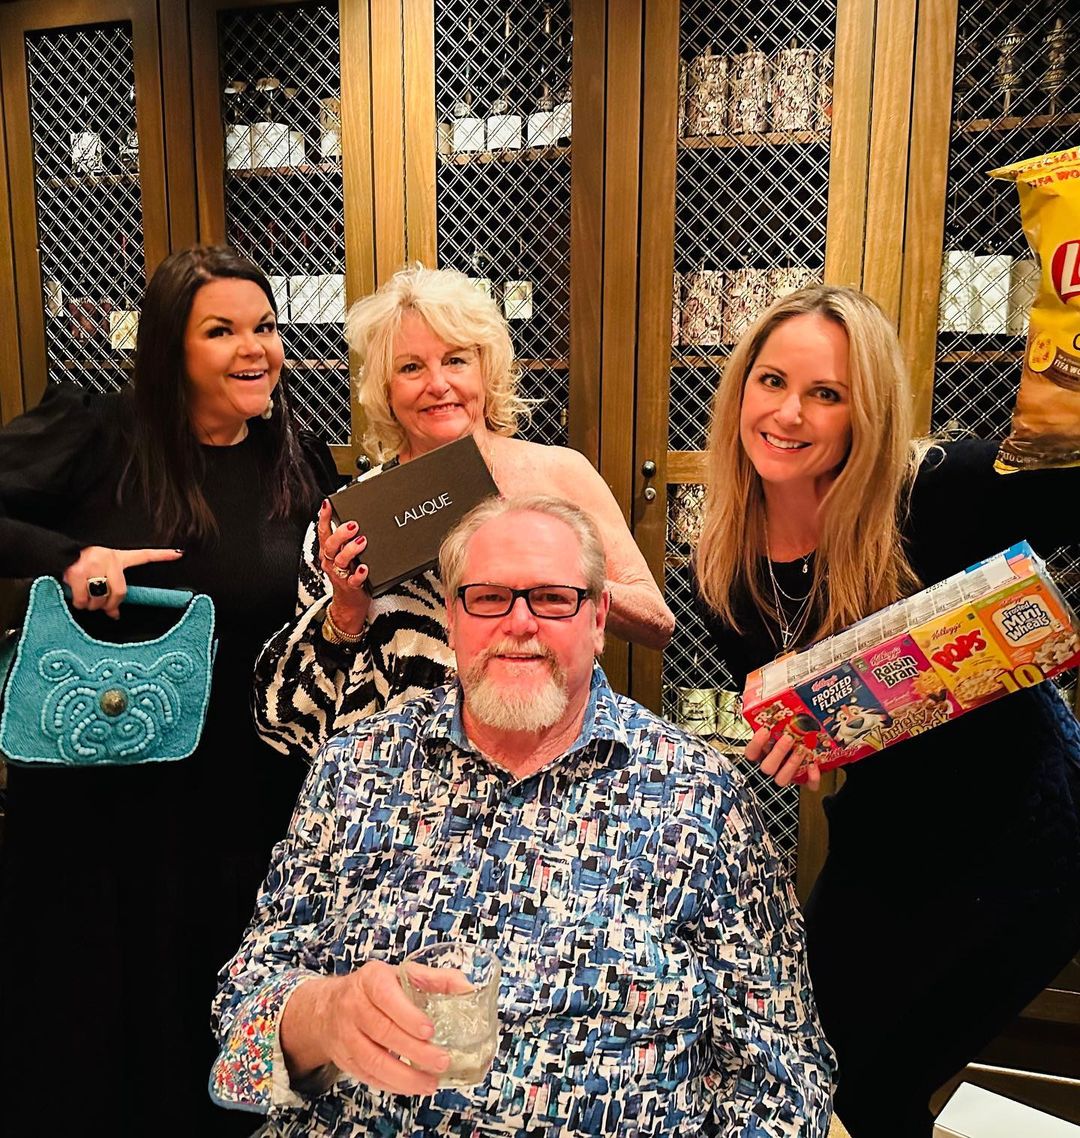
845,707
997,627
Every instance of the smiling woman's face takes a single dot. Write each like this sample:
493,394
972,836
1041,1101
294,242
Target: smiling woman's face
232,356
436,388
795,422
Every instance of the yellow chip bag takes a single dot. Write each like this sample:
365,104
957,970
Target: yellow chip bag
1046,421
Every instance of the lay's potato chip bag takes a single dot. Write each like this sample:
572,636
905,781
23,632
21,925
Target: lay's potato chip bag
1046,421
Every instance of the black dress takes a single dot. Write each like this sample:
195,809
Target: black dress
125,889
951,892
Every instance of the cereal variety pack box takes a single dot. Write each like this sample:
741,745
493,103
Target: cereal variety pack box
999,626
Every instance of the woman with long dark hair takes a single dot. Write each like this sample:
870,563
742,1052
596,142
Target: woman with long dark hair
124,889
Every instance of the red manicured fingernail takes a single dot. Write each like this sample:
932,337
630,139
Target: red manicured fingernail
351,526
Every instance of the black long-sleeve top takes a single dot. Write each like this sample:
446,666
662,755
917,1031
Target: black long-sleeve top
972,792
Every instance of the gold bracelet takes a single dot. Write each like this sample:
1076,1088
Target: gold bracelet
334,635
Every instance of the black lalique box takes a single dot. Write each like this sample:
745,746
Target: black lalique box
407,510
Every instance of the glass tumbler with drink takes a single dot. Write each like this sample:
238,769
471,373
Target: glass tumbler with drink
457,986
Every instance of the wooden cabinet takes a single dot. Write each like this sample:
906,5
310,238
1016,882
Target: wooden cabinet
89,180
630,178
106,166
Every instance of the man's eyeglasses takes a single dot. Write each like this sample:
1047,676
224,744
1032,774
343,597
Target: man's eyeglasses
551,602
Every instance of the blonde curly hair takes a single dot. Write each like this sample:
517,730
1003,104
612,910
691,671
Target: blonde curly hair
456,311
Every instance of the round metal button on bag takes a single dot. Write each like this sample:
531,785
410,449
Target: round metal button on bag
113,701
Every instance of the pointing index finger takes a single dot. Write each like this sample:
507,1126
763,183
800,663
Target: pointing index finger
130,557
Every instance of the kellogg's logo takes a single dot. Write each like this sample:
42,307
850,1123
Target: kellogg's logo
1065,270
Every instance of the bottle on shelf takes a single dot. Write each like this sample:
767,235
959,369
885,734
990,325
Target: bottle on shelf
503,123
990,281
540,122
479,271
467,130
237,126
1055,66
1008,76
748,105
562,91
270,143
128,151
85,142
794,91
468,127
290,107
330,128
518,291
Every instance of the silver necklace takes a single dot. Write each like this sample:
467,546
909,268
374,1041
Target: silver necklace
805,570
790,630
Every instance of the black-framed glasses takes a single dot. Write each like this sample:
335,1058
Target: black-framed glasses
551,602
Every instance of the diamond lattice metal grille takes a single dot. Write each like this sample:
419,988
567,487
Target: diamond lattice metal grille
502,95
283,191
751,200
691,668
1015,96
89,201
751,190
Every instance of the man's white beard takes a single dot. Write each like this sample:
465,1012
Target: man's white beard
509,708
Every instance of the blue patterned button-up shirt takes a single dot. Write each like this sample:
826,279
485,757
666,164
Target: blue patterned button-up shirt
654,979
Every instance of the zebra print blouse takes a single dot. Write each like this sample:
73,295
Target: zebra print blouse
307,690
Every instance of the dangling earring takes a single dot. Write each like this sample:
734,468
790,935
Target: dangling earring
268,410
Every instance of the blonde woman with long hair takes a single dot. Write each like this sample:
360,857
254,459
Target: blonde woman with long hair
951,892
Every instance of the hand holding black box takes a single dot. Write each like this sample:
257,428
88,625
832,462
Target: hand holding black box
407,510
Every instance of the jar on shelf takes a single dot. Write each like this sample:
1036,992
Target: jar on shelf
748,296
748,92
703,307
794,88
706,107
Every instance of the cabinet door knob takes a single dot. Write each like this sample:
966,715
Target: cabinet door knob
650,493
363,463
648,468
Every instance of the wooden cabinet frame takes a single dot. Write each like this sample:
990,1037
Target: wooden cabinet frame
16,20
373,184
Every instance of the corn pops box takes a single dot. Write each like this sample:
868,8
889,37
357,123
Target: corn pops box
967,656
999,626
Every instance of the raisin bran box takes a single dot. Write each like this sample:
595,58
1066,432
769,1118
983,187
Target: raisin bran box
997,627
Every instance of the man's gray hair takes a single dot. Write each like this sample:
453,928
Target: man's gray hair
591,557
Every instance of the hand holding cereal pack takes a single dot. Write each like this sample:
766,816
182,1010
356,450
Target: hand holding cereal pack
1046,421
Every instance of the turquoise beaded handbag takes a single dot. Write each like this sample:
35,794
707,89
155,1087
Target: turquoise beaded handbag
67,699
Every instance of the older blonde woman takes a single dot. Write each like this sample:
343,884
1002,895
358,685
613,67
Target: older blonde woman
437,365
950,894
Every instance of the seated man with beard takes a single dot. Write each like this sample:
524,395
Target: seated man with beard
653,975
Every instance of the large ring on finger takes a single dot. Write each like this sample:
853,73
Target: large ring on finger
97,586
342,573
